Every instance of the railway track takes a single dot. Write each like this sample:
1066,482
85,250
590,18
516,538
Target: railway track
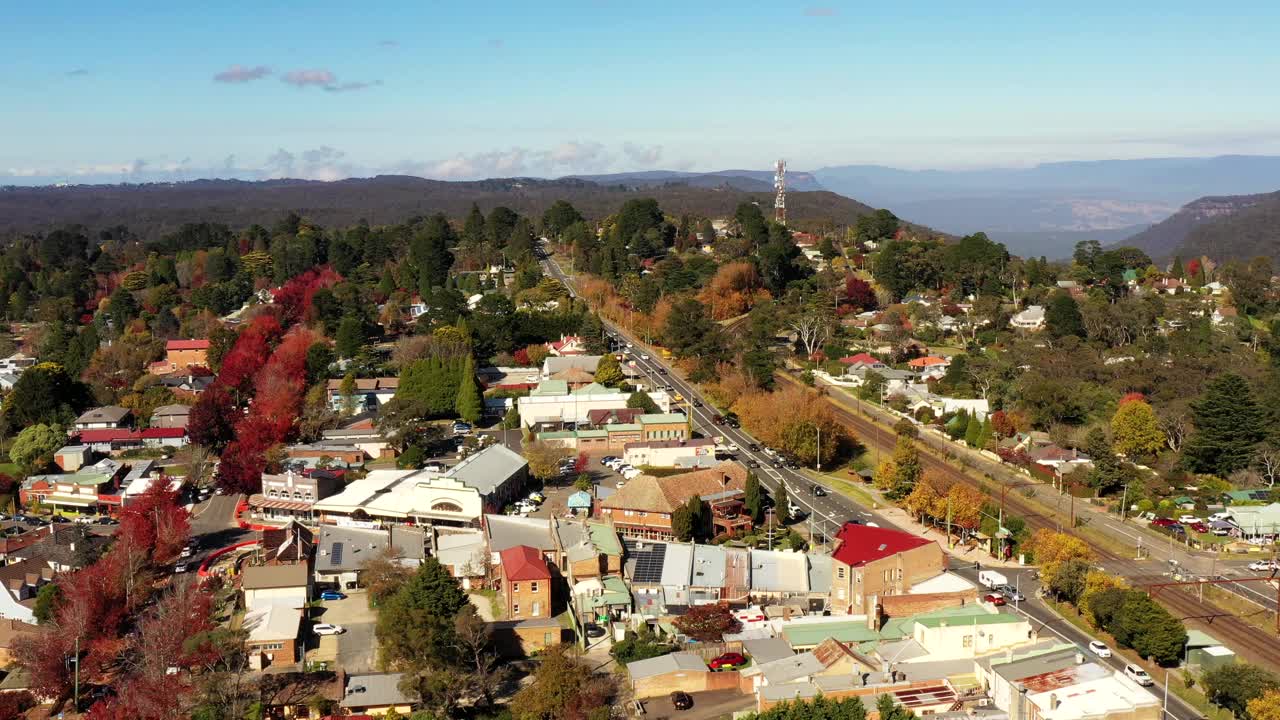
1249,641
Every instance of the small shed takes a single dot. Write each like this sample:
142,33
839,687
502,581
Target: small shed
665,674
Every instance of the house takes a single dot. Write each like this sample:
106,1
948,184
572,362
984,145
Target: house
643,507
22,580
342,552
862,360
1060,684
7,381
78,491
556,364
664,426
1257,524
16,363
375,695
665,674
286,583
485,482
273,633
10,632
1215,288
567,345
870,563
1224,315
526,583
189,384
613,416
574,378
70,458
1030,319
921,364
698,452
1170,285
368,440
551,406
108,440
341,454
104,418
171,416
63,549
463,553
292,494
180,355
778,576
370,393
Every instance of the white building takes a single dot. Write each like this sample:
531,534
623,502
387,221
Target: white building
697,452
552,405
1030,319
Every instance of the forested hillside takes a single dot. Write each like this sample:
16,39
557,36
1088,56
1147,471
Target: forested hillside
1223,228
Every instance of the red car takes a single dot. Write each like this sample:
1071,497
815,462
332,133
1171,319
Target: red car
728,661
1164,522
995,599
1200,527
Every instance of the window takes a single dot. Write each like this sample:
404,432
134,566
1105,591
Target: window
840,573
548,638
533,586
840,593
644,514
515,588
537,607
967,641
515,610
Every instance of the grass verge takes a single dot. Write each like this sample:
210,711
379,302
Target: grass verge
1247,611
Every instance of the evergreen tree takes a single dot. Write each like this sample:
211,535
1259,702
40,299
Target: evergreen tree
972,431
350,336
753,498
782,503
470,405
641,400
1176,270
1229,424
592,334
1062,316
347,391
609,372
984,437
473,230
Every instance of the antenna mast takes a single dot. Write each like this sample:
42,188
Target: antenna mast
780,184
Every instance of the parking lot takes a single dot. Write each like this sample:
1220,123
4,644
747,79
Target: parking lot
355,650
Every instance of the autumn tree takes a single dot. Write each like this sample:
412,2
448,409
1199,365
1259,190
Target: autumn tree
564,688
609,372
1264,707
1051,549
1135,430
707,623
544,459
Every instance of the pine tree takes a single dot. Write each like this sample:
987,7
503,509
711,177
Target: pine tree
984,437
782,502
1177,271
350,337
972,431
1229,424
592,333
469,405
753,499
1062,316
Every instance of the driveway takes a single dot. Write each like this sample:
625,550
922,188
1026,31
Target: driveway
710,705
355,650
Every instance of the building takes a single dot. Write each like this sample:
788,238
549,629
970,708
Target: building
180,355
1258,524
552,406
370,393
375,694
463,553
15,364
526,583
643,506
70,458
292,495
862,360
870,563
663,426
104,418
288,583
171,416
1058,683
567,345
108,440
695,453
556,364
80,491
368,440
190,384
342,552
62,549
22,581
273,634
681,671
485,482
1030,319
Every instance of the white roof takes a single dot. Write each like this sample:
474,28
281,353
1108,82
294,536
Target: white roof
1102,697
779,571
272,621
942,583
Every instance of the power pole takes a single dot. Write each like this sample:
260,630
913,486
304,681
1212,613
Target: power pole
780,184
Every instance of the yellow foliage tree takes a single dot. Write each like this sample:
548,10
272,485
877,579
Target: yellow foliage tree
1095,581
1136,430
1266,707
923,498
1052,548
966,505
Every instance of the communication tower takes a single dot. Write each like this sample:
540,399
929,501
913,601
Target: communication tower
780,184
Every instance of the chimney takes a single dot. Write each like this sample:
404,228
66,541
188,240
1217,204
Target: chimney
1054,702
1079,658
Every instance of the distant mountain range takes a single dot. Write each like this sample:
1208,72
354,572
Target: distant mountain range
151,210
1221,227
750,180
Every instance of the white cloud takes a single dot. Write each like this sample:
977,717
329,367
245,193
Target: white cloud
242,74
643,155
304,78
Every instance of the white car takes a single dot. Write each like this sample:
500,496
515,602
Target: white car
328,629
632,473
1264,565
180,567
1219,516
1138,675
1188,519
536,497
1099,649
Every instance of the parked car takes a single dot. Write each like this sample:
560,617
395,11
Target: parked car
728,661
328,629
1138,675
536,497
1219,517
608,459
1164,522
186,553
59,519
1199,527
332,595
995,599
595,631
104,520
1013,595
1264,565
681,700
632,473
181,567
1100,649
1188,519
82,520
1221,531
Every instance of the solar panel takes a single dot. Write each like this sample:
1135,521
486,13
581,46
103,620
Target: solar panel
649,559
336,553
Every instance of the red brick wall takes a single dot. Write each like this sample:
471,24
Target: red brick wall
906,605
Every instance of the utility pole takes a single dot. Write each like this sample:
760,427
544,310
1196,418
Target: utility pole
819,427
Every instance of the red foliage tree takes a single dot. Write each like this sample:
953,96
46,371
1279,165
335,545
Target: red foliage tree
707,623
14,705
1001,423
1193,267
249,353
1133,397
859,293
294,297
157,516
213,418
522,357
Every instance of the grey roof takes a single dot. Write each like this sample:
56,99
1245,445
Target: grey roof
820,573
461,549
1036,665
767,650
708,566
169,410
410,542
789,691
785,670
263,577
553,365
340,549
374,690
663,664
1041,646
506,531
106,413
488,469
677,564
901,650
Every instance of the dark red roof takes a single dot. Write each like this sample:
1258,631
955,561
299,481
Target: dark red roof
861,358
524,563
123,434
164,432
861,544
187,345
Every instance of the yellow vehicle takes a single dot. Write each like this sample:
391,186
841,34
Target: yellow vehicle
665,353
678,397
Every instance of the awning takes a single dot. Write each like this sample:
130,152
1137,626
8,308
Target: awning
266,503
74,501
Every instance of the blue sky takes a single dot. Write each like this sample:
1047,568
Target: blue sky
144,90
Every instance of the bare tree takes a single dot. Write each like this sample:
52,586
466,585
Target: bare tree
199,464
1176,428
474,643
812,326
1268,459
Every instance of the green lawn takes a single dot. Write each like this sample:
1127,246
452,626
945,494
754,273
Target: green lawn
10,469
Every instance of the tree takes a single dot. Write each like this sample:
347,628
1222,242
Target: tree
819,708
707,623
890,710
1264,707
383,575
753,498
46,602
557,218
1062,316
429,252
1052,549
1136,430
1069,580
1108,472
415,626
544,459
640,400
350,336
470,405
609,372
1228,425
683,522
563,688
44,394
34,447
907,469
1234,686
972,431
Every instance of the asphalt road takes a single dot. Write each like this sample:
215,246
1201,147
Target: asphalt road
213,526
824,515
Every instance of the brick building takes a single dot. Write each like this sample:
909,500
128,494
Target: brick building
643,507
871,562
526,583
180,355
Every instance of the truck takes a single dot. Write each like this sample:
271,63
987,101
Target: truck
991,578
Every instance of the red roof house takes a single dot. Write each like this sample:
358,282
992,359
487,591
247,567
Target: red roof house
872,563
526,583
862,359
862,544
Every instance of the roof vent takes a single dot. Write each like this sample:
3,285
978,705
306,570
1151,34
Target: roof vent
882,547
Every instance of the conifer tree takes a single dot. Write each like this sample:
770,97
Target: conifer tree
469,405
